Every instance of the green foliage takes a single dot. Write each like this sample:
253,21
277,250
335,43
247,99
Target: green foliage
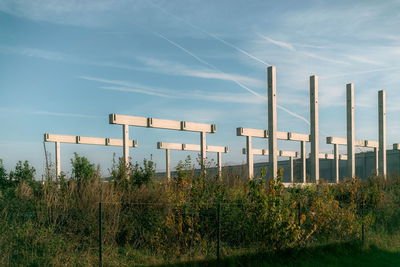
184,171
82,170
178,219
23,172
119,170
142,174
4,182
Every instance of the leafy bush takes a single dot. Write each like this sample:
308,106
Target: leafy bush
180,217
23,172
82,170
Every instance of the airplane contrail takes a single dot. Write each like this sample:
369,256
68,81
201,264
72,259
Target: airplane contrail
208,64
228,44
235,81
211,35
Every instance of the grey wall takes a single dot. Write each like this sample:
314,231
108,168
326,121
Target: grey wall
365,167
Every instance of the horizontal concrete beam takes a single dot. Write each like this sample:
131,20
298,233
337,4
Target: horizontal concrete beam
72,139
373,144
222,149
264,134
191,147
60,138
298,137
171,146
251,132
257,152
293,154
162,124
359,143
264,152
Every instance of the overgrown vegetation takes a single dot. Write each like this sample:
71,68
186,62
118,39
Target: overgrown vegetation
151,221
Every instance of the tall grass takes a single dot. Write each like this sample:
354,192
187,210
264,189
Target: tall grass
152,221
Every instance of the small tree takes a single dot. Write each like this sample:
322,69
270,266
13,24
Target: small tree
23,172
4,182
143,175
82,169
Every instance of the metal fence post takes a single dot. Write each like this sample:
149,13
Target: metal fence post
362,224
100,234
299,213
218,230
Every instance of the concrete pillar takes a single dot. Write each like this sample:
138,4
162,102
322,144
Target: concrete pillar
291,169
249,158
336,160
203,150
314,138
125,134
351,159
376,151
168,164
272,123
219,164
58,160
382,132
303,161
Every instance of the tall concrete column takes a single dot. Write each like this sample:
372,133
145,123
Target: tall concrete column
58,160
249,158
291,169
314,121
203,150
351,159
272,123
336,160
382,132
125,134
303,161
219,164
376,152
168,164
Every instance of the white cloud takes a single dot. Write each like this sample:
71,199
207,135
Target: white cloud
33,52
173,68
167,93
49,113
278,43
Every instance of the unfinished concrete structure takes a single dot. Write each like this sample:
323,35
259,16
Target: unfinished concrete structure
127,121
190,147
314,128
273,135
84,140
281,153
249,133
272,122
336,141
382,169
351,142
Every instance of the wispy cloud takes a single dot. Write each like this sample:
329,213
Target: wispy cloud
133,90
365,60
58,114
125,86
289,46
278,43
242,51
323,58
33,52
173,68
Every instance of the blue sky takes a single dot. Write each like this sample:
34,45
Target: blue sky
65,65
